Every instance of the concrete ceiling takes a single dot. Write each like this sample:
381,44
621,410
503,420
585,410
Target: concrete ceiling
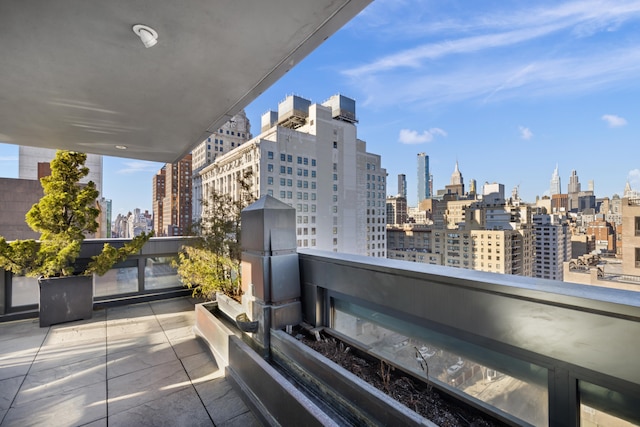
73,75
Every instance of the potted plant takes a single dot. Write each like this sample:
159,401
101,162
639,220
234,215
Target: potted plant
210,264
65,214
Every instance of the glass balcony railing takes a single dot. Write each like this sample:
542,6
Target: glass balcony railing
526,350
142,275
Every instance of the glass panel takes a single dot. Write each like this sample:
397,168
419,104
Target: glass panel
122,280
24,291
511,385
159,274
600,406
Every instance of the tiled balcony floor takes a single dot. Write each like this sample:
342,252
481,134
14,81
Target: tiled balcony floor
136,365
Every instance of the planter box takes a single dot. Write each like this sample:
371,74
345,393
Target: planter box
355,399
65,299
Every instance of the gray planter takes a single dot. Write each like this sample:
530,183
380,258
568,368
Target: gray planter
65,299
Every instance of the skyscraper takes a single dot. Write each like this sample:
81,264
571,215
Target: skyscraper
423,177
555,183
574,184
402,185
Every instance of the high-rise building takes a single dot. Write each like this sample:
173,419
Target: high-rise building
158,193
309,156
232,134
552,246
555,183
402,185
172,215
423,177
574,183
33,163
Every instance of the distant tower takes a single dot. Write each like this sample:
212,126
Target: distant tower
456,186
423,177
591,186
555,183
402,185
473,187
574,184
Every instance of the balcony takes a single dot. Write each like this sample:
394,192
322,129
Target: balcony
532,351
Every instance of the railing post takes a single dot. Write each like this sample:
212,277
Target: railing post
270,271
563,399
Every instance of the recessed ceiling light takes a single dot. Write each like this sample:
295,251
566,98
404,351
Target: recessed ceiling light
121,147
148,35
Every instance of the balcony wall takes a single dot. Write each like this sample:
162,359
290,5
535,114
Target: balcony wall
548,346
146,276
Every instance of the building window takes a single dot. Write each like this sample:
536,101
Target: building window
270,180
270,155
313,162
283,181
313,174
299,160
283,194
637,225
289,158
289,170
283,157
283,169
269,167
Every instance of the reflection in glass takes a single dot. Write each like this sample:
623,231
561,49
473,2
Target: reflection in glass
511,385
24,291
159,274
116,281
600,406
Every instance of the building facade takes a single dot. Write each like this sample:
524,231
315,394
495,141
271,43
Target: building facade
631,236
172,198
33,163
552,246
309,156
232,134
396,210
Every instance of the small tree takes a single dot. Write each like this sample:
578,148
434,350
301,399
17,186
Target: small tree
211,263
63,217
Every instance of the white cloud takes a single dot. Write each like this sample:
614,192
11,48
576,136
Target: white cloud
408,136
497,29
525,133
634,179
132,167
614,121
490,81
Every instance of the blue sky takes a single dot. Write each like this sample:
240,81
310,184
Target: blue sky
508,89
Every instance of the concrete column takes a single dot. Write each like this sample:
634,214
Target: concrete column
270,270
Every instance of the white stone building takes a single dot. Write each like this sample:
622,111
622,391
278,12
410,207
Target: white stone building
309,156
231,135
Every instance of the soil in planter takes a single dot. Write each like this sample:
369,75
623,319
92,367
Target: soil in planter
415,395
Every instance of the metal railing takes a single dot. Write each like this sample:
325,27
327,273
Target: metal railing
146,276
531,351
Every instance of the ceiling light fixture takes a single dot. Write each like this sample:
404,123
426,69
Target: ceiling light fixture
148,35
121,147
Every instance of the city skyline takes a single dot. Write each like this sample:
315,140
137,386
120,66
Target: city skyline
508,92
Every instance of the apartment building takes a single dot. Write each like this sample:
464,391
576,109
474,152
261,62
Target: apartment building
552,246
396,210
631,236
231,135
308,156
172,198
